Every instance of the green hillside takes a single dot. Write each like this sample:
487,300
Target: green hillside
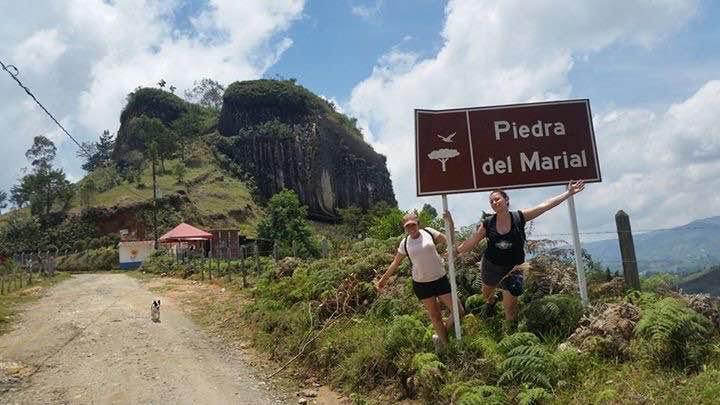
216,199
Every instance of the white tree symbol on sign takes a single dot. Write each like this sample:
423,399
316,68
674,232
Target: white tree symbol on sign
443,155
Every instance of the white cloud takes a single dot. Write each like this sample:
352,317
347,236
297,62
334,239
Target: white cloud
39,51
505,51
367,11
82,57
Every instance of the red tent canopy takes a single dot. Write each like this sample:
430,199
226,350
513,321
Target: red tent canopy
185,232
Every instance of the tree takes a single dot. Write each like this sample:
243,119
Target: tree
44,186
131,166
186,128
21,232
180,171
3,200
153,131
99,152
87,191
44,189
41,153
388,225
285,224
18,196
207,93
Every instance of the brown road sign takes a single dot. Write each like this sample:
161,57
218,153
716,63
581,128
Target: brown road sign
510,146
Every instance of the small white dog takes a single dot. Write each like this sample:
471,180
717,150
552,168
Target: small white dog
155,311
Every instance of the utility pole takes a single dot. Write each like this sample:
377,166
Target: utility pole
155,231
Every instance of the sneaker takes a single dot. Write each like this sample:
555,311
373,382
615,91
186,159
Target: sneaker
488,310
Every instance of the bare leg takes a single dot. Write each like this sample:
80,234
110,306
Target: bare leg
510,304
487,292
446,299
433,309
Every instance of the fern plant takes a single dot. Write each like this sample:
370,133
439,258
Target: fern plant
553,316
429,376
533,396
474,392
676,335
517,340
526,361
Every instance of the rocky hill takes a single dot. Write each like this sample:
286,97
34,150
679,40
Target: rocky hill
275,134
284,136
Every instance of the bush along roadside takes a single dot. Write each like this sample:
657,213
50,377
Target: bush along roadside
325,315
102,259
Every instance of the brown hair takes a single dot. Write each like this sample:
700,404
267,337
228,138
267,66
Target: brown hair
501,192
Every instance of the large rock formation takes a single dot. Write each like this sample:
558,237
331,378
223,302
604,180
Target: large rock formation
151,103
286,137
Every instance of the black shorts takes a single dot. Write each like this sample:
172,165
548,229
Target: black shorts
431,289
494,275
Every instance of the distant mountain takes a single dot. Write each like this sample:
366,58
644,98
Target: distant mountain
708,283
687,248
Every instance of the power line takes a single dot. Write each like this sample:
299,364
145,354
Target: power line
633,231
13,74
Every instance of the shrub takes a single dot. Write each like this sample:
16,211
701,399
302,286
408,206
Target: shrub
101,259
474,304
387,226
160,262
553,316
517,340
533,396
429,376
528,365
285,223
676,335
474,393
404,338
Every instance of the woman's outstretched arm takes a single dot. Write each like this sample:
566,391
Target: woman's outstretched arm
573,188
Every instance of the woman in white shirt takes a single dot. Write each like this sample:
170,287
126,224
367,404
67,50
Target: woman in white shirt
430,283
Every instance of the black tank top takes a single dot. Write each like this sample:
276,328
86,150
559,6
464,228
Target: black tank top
507,249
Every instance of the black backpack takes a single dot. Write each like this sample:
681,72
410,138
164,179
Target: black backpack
405,244
516,225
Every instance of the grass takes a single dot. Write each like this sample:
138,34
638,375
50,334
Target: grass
223,201
10,303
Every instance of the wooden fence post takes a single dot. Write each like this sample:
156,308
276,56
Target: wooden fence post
325,247
242,266
627,250
257,259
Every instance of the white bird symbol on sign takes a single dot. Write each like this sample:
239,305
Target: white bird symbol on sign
448,138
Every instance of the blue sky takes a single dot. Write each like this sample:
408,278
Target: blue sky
649,67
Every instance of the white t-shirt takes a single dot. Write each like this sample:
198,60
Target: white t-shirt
426,262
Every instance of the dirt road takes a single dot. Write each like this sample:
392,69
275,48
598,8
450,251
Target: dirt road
91,340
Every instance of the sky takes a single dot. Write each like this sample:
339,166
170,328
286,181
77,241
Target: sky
649,67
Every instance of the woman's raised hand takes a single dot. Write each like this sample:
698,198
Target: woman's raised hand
575,187
448,218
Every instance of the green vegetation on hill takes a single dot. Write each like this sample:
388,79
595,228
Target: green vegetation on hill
215,197
636,347
254,102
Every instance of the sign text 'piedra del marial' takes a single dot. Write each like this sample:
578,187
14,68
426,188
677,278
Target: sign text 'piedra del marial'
521,145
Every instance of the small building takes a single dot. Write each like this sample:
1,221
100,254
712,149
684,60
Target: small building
134,253
187,240
226,243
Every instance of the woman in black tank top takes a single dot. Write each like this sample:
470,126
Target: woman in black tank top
505,231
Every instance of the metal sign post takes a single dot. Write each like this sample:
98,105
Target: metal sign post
582,283
451,271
